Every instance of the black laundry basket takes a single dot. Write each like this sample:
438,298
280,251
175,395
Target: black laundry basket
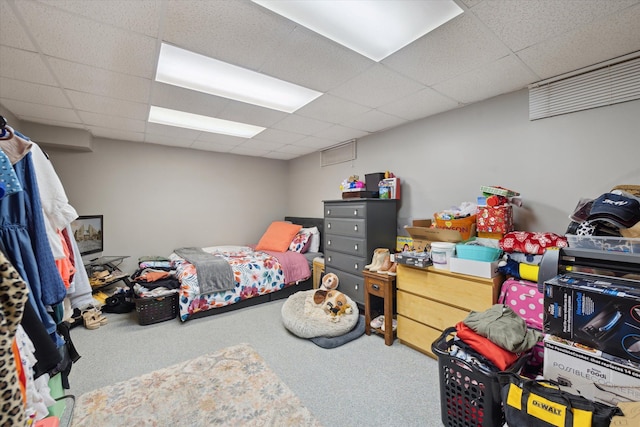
469,395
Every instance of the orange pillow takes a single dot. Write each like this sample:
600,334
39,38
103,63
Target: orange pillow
278,236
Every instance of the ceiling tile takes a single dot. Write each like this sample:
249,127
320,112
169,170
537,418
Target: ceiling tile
424,103
260,145
339,133
209,137
568,53
212,146
168,141
303,125
191,101
11,32
102,120
503,76
110,106
275,135
331,109
246,113
28,109
33,92
457,47
93,80
311,60
521,27
26,66
115,133
373,121
78,39
378,85
296,149
315,142
237,32
141,16
172,131
248,151
277,155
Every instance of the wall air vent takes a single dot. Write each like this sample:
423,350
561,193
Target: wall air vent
608,83
344,152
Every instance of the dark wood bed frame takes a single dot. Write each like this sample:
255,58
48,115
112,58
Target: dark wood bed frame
277,295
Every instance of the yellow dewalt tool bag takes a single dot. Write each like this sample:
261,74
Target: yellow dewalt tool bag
536,403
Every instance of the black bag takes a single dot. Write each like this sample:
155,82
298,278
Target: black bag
535,403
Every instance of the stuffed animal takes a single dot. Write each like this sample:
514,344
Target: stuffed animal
518,270
329,281
333,302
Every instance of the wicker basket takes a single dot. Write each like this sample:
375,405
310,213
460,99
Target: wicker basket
159,309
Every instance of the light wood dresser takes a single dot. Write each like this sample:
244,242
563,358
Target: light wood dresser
431,300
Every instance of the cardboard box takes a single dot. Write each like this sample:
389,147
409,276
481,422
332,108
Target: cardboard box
473,267
422,235
589,372
497,219
631,417
595,312
404,243
414,259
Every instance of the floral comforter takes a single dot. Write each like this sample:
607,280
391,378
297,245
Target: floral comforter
254,273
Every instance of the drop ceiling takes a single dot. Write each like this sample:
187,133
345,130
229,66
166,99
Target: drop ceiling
91,64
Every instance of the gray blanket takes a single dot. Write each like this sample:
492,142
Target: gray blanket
214,272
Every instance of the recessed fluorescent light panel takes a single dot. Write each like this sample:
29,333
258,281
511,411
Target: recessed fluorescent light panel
166,116
373,28
180,67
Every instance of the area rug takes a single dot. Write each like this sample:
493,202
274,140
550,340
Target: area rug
232,387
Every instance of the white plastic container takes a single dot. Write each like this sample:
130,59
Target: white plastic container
441,253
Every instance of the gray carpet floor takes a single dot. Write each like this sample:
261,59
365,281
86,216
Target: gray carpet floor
362,383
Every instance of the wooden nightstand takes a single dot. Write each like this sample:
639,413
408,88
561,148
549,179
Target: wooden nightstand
318,269
382,286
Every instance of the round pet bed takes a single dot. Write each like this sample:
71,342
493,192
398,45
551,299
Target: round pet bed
302,317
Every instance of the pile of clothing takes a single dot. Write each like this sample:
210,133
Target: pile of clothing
495,338
154,277
616,213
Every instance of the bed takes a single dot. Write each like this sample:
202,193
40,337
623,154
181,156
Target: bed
258,275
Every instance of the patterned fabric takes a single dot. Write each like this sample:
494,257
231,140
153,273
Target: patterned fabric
300,241
232,387
531,243
254,273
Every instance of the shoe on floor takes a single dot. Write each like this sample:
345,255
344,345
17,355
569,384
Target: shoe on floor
394,325
378,322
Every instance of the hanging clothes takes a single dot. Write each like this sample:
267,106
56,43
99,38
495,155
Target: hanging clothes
13,298
23,237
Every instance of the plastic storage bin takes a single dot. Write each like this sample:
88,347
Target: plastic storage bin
477,252
469,396
158,309
604,243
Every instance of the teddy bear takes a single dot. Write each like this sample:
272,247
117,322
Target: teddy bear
329,281
333,302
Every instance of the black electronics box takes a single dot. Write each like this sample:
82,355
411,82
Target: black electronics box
371,180
595,312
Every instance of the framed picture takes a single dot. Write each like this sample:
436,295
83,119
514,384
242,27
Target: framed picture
88,232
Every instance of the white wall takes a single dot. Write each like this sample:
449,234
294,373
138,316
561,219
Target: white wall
155,198
443,160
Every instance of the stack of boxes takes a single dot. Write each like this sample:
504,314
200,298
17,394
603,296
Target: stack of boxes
494,216
592,346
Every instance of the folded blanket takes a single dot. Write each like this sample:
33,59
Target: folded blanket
214,273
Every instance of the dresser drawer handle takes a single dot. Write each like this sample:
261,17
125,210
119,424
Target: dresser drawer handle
375,287
355,212
328,259
355,266
355,228
355,247
328,225
328,242
328,211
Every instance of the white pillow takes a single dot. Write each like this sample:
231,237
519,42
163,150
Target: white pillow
315,239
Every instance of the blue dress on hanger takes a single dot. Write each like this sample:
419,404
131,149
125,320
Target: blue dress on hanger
24,240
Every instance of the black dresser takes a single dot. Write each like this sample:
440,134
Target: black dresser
353,229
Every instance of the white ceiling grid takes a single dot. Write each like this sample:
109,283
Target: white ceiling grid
91,65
